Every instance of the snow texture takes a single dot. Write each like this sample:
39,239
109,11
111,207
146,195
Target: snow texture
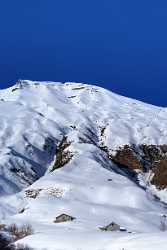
35,116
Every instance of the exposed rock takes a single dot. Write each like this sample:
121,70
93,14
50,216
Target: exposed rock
63,156
21,211
163,148
144,158
152,153
56,192
127,157
32,193
14,89
78,88
102,131
160,174
73,96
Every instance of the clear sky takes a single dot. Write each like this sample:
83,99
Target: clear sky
118,44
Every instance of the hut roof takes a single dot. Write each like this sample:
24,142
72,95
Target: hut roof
66,215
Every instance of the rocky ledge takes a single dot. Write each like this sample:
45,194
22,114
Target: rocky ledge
144,158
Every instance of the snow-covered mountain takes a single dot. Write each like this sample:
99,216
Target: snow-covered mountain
83,151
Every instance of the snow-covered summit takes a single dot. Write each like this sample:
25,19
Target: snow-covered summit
32,112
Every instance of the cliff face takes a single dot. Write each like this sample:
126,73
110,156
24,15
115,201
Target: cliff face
146,159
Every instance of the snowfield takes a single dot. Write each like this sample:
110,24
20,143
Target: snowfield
35,118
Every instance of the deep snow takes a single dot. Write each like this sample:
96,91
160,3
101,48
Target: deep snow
88,187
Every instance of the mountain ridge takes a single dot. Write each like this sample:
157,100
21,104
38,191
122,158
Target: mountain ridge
124,110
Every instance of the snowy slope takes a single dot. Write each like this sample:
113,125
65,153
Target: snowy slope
32,112
35,117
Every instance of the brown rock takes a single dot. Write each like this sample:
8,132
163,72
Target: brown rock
160,174
127,157
63,155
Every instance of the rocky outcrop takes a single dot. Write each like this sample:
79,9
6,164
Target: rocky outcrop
159,178
127,157
32,193
134,158
153,153
63,155
143,158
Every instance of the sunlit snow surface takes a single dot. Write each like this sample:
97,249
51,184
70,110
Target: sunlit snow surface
88,187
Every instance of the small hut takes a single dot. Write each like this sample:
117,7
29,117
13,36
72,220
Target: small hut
111,227
64,218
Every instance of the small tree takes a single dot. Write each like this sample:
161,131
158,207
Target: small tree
20,232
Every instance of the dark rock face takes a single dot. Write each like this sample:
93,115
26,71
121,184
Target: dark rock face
163,148
160,174
144,158
32,193
127,157
130,158
63,155
152,153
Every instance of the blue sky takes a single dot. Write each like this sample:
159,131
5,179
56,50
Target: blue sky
118,44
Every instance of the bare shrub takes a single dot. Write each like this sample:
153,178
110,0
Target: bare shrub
20,232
